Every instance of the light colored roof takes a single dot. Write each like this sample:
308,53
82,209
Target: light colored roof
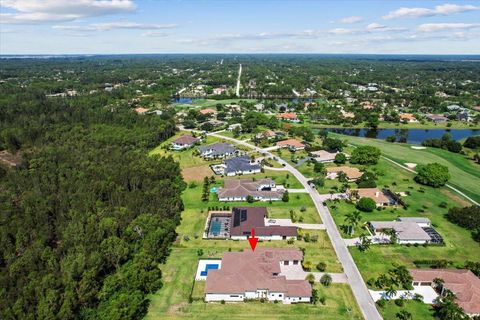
291,143
218,148
414,219
141,110
373,193
245,187
252,270
463,283
324,155
405,230
351,172
407,116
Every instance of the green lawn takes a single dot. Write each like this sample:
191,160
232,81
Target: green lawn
465,173
417,309
423,202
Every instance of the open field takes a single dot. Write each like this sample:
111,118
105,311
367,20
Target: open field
196,173
465,173
418,310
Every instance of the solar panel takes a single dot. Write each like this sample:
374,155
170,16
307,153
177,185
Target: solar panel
236,218
243,215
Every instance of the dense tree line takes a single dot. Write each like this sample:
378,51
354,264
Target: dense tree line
87,216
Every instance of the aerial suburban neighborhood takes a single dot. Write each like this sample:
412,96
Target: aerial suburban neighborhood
240,160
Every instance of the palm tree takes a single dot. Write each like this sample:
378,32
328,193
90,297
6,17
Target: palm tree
390,292
353,219
365,242
404,315
393,235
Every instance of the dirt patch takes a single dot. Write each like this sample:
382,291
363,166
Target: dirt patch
196,173
456,198
11,160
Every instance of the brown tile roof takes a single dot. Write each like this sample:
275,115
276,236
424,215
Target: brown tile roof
252,270
287,116
373,193
351,172
207,111
186,139
246,187
141,110
246,218
463,283
290,143
407,116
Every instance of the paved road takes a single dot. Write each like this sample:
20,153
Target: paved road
360,290
238,81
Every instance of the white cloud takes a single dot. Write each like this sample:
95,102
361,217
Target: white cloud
444,9
155,34
351,19
44,11
115,25
377,27
343,31
433,27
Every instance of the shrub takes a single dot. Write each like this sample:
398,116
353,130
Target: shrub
321,266
399,302
366,205
222,302
340,158
381,303
310,278
326,280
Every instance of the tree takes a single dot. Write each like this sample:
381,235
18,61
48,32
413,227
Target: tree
365,155
319,167
390,292
250,199
285,196
332,144
315,296
366,204
340,158
365,243
367,180
472,142
326,280
372,121
310,278
403,315
447,308
352,219
392,234
432,174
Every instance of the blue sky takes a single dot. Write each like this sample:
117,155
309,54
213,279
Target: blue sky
238,26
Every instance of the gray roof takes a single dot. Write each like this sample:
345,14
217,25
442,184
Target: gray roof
218,149
414,219
239,164
406,230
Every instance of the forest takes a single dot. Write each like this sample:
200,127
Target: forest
86,216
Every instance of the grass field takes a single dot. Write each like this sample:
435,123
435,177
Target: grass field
417,309
465,173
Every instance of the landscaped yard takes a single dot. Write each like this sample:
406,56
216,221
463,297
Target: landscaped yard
422,202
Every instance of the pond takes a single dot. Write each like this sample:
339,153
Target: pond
413,136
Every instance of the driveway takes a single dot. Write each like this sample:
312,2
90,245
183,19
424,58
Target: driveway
297,273
359,289
375,240
428,293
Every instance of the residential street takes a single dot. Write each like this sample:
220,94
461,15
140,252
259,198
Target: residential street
360,290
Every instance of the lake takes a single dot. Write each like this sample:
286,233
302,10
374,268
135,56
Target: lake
413,136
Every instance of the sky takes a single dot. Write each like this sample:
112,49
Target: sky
239,26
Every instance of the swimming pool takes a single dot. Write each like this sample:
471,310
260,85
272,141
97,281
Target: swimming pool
209,266
214,189
216,227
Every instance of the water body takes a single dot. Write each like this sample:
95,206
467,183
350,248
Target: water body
182,100
413,136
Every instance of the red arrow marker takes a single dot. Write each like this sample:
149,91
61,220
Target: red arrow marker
253,241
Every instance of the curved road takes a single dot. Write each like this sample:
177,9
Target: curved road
360,290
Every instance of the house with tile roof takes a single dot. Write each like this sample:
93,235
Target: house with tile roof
381,197
408,230
260,190
237,166
462,282
351,173
257,275
288,116
184,142
292,144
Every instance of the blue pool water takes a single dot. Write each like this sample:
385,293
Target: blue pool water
214,189
215,227
208,267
